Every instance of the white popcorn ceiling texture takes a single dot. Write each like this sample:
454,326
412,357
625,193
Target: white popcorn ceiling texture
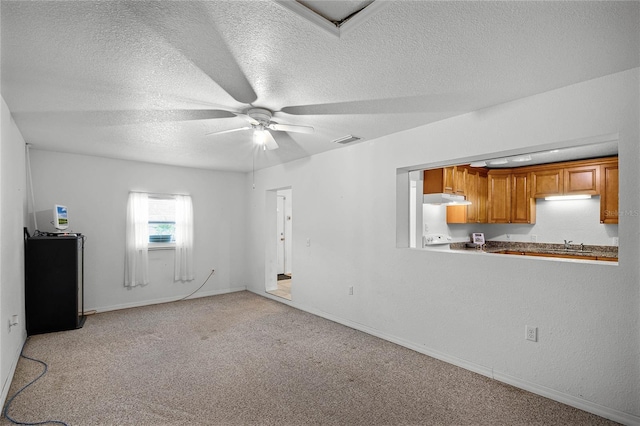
145,80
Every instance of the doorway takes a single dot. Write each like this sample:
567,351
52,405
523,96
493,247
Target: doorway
280,234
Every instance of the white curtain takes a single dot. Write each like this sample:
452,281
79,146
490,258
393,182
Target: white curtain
136,266
184,238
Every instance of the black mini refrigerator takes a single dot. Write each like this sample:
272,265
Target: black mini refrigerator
54,271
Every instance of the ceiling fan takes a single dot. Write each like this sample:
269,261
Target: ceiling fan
261,124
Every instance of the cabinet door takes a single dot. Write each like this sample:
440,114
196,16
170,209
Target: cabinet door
471,189
609,195
522,205
436,181
483,187
499,200
448,182
545,183
459,180
582,180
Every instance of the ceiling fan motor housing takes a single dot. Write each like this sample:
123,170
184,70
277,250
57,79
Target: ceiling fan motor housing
261,115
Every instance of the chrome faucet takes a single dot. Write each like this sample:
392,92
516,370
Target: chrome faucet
566,244
581,246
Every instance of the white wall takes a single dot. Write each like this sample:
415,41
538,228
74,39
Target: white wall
467,309
95,191
12,221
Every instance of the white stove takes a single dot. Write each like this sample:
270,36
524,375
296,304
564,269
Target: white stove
439,242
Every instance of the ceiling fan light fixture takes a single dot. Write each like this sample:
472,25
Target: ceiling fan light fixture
259,136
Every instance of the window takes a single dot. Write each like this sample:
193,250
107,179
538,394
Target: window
158,221
162,220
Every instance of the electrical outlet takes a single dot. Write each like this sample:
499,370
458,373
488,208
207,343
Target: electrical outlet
308,242
615,241
508,236
531,333
534,238
350,290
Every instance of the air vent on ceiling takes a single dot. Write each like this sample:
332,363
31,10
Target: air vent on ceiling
346,139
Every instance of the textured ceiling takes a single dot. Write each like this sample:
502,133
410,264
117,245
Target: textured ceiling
148,80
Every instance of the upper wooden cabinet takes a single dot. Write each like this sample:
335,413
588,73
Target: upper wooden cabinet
483,194
436,181
499,196
582,180
546,183
574,178
471,187
449,180
509,197
609,192
475,191
459,180
523,206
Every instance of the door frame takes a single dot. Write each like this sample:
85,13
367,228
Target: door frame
271,238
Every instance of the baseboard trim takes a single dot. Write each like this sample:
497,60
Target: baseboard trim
164,300
12,371
582,404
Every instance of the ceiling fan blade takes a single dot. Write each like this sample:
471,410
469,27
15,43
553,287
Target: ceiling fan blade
290,128
405,105
198,41
229,131
124,117
269,141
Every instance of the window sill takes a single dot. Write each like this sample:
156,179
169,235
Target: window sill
162,246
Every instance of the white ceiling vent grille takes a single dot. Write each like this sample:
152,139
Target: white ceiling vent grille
346,139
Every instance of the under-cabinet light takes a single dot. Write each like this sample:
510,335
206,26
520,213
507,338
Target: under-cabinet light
567,197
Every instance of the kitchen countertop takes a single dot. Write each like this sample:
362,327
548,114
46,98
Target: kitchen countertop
543,248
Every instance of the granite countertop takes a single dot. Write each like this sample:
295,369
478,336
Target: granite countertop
543,248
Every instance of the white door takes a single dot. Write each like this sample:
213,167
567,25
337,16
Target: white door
281,233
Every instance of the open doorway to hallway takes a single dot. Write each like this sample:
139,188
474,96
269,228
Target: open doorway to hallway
283,240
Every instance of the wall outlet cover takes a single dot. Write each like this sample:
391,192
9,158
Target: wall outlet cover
531,333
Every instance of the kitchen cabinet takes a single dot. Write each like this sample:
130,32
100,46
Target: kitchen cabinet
475,188
609,192
571,178
509,197
459,180
547,183
582,180
448,180
471,187
499,196
483,193
523,206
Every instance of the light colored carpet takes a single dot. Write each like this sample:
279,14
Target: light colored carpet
241,359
